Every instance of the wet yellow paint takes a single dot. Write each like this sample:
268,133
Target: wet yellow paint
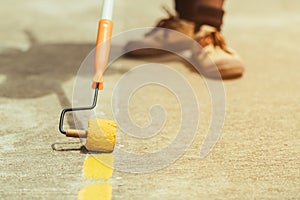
98,167
101,191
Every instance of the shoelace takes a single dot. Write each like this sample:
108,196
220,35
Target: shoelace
214,38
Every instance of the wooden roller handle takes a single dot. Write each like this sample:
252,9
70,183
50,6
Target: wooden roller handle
102,51
76,133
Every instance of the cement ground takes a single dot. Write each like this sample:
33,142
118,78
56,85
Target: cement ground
42,44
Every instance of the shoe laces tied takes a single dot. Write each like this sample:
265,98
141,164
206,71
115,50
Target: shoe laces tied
215,38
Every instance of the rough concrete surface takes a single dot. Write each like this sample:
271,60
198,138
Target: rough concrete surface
42,44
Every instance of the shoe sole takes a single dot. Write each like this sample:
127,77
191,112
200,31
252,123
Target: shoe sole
227,70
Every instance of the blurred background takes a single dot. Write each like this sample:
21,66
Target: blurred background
42,44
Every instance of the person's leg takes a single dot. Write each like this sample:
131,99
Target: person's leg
202,21
213,3
209,12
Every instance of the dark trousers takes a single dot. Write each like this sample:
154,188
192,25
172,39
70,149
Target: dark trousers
199,12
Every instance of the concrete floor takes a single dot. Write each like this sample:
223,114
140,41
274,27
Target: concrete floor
42,44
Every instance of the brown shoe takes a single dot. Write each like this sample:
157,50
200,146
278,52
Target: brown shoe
161,38
229,65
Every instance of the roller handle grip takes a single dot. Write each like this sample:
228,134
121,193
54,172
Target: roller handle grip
102,51
76,133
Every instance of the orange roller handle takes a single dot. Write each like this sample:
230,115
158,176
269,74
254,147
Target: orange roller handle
102,51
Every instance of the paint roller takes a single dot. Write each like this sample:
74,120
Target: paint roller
101,133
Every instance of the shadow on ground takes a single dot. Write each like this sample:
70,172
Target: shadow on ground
40,70
43,68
